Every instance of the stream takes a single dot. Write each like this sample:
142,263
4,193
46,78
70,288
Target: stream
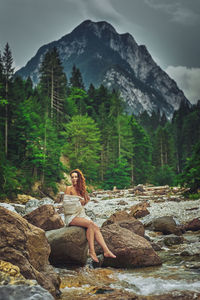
179,272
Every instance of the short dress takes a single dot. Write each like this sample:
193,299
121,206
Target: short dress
73,208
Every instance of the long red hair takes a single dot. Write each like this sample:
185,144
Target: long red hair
81,187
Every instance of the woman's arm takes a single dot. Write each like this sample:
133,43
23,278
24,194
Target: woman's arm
87,198
68,190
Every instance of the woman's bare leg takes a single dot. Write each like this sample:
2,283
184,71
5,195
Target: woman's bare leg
77,221
100,240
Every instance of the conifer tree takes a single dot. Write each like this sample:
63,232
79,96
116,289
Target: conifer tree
82,145
8,71
76,79
191,173
53,83
142,151
28,87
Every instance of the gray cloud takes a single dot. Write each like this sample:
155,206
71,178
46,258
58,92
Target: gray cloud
188,79
169,28
177,11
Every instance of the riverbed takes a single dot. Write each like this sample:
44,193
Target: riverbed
177,274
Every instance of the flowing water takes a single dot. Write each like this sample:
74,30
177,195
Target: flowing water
177,272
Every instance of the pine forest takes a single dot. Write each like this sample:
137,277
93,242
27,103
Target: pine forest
90,129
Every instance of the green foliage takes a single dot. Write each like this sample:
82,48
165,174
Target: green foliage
82,145
9,184
164,175
194,196
92,129
163,147
76,80
142,151
117,175
191,172
76,101
53,84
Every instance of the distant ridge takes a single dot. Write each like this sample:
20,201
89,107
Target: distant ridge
117,61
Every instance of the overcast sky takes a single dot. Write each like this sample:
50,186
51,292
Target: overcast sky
170,29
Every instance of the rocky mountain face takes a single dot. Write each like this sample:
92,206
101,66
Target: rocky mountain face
117,61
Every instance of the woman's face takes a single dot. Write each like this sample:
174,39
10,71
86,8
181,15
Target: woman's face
74,178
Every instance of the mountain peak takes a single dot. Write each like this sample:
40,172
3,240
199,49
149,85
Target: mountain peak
95,27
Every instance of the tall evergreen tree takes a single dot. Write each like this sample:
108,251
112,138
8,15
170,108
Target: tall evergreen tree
76,79
142,151
8,71
178,121
82,145
191,173
53,83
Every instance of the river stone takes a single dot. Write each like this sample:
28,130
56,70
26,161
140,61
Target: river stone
193,225
46,200
69,246
139,210
118,216
20,208
191,249
45,217
166,225
131,249
31,205
23,292
173,240
26,246
8,206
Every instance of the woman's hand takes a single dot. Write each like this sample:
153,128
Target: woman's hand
82,200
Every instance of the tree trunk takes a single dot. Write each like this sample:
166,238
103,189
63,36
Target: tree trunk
52,93
6,122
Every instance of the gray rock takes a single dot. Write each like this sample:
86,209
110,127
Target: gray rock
20,208
69,246
166,225
46,200
173,240
23,292
191,249
8,206
31,205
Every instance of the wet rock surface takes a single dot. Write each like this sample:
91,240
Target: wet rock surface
176,278
26,246
166,225
45,217
68,246
131,250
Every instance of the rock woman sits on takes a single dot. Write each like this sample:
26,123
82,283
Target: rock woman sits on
79,218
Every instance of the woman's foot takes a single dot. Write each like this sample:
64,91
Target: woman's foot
109,254
93,256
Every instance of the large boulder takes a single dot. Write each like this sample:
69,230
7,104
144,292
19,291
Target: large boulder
123,219
166,225
45,217
69,246
131,250
26,246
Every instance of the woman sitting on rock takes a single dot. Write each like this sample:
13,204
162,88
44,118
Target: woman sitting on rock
79,218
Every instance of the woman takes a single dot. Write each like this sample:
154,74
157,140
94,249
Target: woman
78,188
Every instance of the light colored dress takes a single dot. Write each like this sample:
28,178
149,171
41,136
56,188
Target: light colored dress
73,208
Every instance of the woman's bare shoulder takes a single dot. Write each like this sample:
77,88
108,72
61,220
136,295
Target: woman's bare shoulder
68,189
